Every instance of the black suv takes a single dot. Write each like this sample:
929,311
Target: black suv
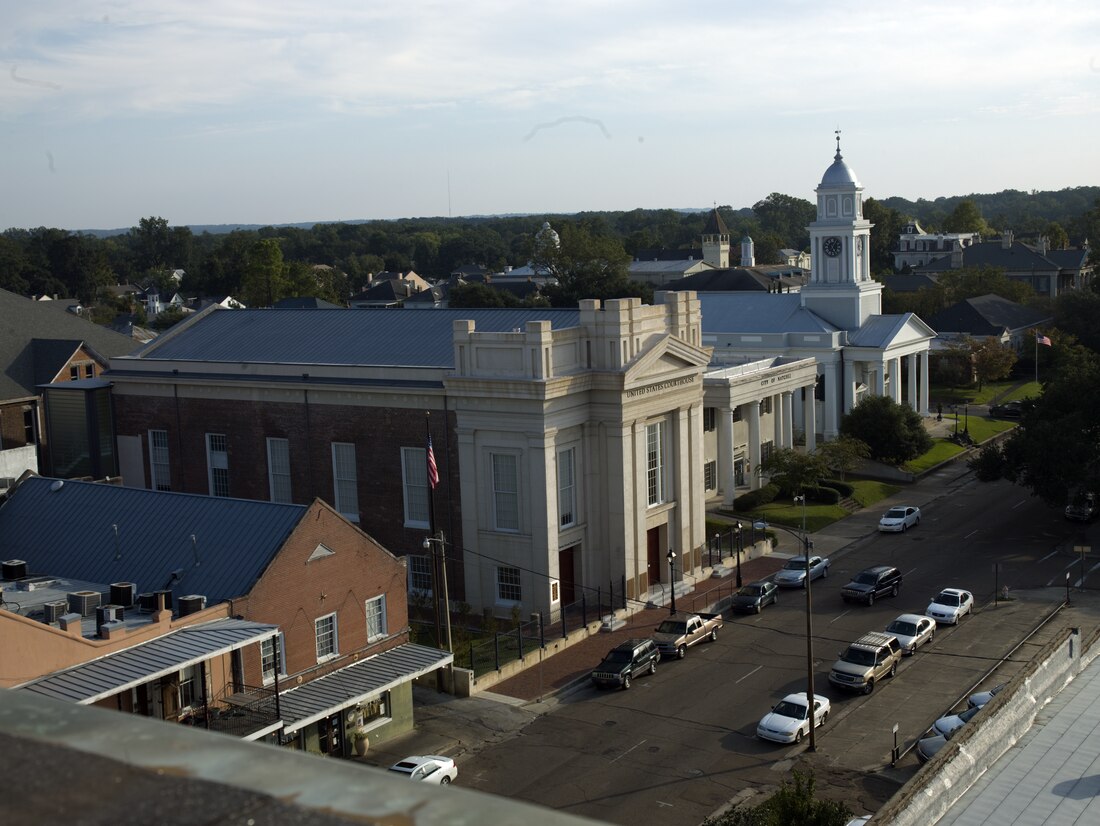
624,661
868,585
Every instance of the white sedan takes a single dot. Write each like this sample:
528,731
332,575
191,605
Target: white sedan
899,519
430,768
912,630
793,574
789,722
950,605
950,722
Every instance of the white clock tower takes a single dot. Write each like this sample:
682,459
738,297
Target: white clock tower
841,289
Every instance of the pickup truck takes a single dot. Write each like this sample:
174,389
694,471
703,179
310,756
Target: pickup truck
681,631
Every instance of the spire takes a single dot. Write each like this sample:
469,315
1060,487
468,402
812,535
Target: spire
838,156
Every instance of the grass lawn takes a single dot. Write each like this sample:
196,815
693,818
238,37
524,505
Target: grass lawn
942,450
990,391
818,514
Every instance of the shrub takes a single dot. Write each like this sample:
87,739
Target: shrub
893,432
826,495
843,488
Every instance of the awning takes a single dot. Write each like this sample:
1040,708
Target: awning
92,681
357,683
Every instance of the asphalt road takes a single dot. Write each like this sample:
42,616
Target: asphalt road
680,744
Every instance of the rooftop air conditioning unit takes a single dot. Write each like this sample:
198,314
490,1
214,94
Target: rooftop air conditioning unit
13,569
123,593
147,602
55,610
191,604
84,602
105,614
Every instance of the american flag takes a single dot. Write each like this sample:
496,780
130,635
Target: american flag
433,471
1043,340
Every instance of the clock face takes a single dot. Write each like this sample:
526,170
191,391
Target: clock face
831,246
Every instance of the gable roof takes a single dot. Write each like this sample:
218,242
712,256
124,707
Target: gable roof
759,313
36,340
987,315
910,282
70,531
882,331
730,279
397,337
1017,257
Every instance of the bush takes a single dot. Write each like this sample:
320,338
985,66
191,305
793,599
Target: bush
768,493
843,488
825,495
752,500
893,432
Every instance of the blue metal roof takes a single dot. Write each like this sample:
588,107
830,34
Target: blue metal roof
70,531
397,337
745,312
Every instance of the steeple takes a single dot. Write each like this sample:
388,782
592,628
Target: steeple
716,240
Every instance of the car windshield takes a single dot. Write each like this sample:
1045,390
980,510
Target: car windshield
618,657
793,710
859,656
909,629
948,599
796,564
967,715
867,579
895,513
751,591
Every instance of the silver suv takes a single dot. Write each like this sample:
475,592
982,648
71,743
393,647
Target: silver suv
871,658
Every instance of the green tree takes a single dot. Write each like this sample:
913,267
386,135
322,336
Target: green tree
952,366
971,282
168,319
586,265
843,454
786,216
792,471
265,279
966,217
477,294
1056,236
893,432
992,360
884,234
794,804
1075,313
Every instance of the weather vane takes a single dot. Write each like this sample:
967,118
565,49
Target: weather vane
837,131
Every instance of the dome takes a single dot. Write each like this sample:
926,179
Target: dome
839,173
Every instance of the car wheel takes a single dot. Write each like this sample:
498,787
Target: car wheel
894,592
825,573
758,607
444,781
775,599
918,520
871,598
626,681
714,635
824,718
894,670
653,667
904,527
869,687
798,736
931,637
681,652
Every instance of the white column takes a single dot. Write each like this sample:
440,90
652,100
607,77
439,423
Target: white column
924,395
832,399
797,413
913,381
725,456
788,418
895,379
777,421
809,420
753,409
880,379
850,388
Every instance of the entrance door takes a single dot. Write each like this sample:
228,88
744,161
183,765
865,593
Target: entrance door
653,555
566,572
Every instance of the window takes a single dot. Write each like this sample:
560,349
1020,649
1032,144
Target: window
74,372
278,470
567,489
89,371
376,618
709,418
710,476
159,469
655,462
217,463
343,480
188,689
28,426
505,492
414,470
766,405
737,413
766,450
325,631
420,574
272,657
508,587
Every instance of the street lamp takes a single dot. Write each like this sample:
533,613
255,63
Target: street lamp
736,531
671,557
806,546
966,418
955,413
427,545
718,547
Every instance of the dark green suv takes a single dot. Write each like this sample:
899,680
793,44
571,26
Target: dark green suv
625,661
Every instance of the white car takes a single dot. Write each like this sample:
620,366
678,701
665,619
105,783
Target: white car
950,722
788,722
429,768
899,519
982,697
793,574
950,605
912,630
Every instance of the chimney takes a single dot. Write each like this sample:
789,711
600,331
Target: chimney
956,256
1006,239
1042,246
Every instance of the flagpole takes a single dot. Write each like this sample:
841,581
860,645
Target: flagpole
431,523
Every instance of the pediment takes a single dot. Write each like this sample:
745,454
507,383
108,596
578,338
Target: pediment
668,356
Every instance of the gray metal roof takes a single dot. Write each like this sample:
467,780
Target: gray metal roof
365,679
396,337
759,313
70,532
987,315
92,681
880,330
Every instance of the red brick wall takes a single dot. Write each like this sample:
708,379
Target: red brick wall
12,430
378,435
293,592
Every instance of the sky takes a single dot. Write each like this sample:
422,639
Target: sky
238,111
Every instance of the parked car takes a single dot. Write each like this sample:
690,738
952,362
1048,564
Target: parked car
676,634
871,658
753,597
949,722
950,605
912,630
872,583
430,768
899,519
929,747
793,574
980,698
789,721
625,661
1083,509
1008,410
